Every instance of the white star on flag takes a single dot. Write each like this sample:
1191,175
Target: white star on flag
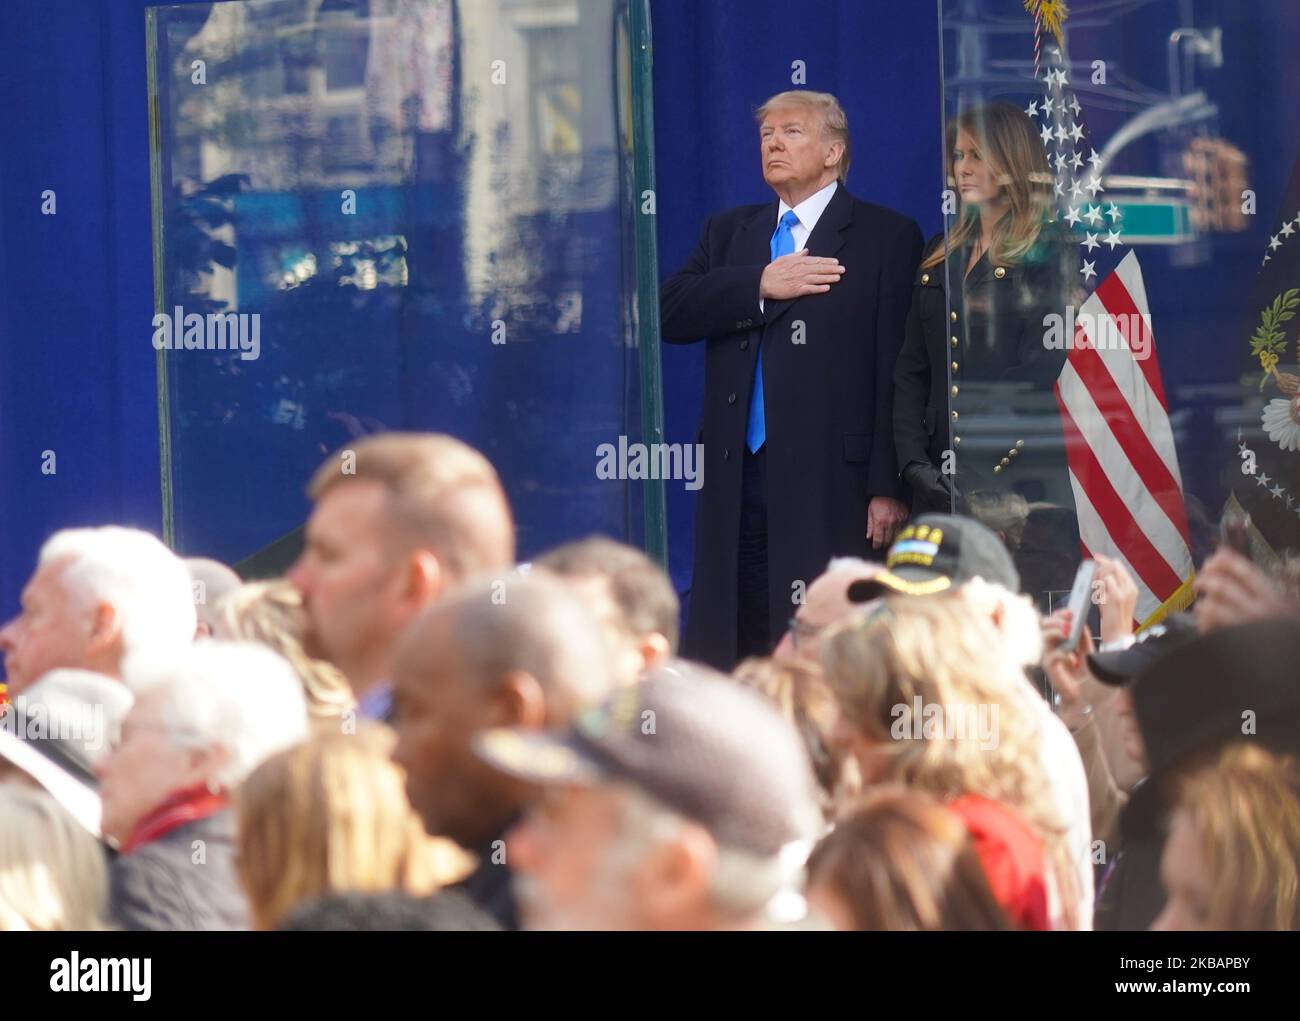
1129,500
1114,212
1273,242
1287,229
1032,109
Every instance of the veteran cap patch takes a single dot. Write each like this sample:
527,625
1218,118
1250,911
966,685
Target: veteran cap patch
937,552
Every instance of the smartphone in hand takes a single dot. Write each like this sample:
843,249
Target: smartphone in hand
1080,603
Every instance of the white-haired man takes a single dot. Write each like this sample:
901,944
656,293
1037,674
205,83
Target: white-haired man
802,302
97,596
201,722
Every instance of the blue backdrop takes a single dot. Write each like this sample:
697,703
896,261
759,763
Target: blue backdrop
76,287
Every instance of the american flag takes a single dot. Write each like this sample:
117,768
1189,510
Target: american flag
1119,444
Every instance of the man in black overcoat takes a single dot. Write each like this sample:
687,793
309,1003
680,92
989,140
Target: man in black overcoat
801,303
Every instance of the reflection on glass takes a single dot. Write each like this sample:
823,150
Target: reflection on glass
423,202
1109,376
975,343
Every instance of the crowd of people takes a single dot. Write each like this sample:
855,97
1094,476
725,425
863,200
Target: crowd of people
410,730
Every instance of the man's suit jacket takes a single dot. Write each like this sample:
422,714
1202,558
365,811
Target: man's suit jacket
828,369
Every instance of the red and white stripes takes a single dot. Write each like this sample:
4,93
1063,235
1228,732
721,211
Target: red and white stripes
1120,446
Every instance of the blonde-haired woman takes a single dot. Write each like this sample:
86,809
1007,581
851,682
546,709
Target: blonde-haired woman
271,613
53,876
927,699
797,689
976,345
330,816
1231,860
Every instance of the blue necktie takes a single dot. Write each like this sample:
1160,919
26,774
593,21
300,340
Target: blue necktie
756,431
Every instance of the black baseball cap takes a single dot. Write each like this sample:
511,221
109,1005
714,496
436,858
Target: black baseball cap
696,741
937,552
1232,684
1120,666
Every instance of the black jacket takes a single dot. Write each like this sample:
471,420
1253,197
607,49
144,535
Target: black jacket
491,885
1132,897
828,362
183,881
975,374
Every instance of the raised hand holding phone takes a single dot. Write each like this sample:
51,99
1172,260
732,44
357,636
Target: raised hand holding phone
1080,601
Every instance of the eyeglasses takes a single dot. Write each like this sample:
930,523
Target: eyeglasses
801,630
119,738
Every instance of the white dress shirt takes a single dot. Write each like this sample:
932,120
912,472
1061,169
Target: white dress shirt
809,212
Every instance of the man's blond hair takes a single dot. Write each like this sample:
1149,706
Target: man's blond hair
442,494
835,122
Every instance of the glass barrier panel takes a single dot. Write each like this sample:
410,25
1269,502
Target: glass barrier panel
397,214
1109,332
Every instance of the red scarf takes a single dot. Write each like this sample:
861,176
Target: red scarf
180,808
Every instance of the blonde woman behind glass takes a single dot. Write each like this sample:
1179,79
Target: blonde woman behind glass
331,816
941,653
271,613
52,872
973,407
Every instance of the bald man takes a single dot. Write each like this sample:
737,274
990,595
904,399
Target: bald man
211,581
826,601
517,650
